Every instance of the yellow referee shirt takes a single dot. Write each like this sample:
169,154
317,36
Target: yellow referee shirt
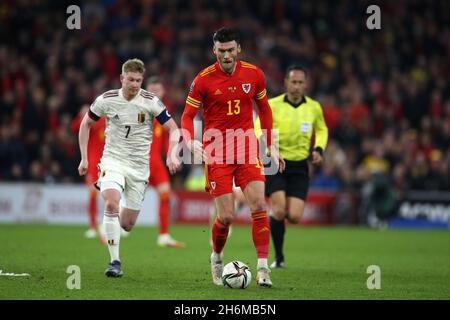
295,126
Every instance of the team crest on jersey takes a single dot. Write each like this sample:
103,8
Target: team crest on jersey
246,87
213,185
141,117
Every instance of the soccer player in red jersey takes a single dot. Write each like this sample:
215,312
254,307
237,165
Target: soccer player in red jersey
159,177
226,91
95,150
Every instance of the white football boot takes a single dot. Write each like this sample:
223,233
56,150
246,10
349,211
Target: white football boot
263,278
217,268
90,233
165,240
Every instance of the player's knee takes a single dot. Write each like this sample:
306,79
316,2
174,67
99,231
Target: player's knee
227,219
127,226
111,206
164,196
294,218
258,205
278,213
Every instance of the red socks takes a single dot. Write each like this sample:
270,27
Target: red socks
164,212
219,235
93,209
261,233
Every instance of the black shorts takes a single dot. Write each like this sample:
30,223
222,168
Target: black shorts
294,180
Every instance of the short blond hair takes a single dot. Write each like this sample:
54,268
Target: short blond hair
133,65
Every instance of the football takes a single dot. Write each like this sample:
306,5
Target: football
236,275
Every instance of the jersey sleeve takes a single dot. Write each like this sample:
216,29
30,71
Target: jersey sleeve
320,128
262,104
196,93
159,111
194,101
260,92
97,109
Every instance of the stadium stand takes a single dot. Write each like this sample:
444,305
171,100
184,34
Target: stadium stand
386,95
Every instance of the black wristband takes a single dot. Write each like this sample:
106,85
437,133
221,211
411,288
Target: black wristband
319,150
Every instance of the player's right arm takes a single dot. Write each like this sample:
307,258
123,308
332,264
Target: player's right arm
187,129
76,122
93,115
83,139
193,103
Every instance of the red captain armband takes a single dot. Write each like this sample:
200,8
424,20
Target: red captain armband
93,116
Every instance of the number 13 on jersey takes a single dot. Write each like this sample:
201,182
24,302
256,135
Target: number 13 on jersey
233,107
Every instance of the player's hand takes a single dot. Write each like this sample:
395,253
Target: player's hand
83,167
316,158
174,164
279,161
196,148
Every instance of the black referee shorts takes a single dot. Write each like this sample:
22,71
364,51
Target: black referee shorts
294,180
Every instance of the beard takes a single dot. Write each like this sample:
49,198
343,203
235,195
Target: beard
228,65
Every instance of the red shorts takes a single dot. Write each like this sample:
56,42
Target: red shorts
158,173
219,177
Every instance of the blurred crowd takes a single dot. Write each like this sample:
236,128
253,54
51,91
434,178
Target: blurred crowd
385,93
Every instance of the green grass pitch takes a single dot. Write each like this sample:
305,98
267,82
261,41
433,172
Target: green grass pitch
322,263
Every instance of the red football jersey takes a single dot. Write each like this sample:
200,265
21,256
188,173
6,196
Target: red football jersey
160,142
159,148
227,102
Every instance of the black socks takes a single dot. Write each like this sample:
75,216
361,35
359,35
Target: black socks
277,229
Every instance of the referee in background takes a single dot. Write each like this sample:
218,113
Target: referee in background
296,117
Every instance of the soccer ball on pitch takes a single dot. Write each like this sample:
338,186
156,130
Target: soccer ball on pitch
236,275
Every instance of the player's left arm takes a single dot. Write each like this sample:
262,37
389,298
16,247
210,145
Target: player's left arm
321,130
266,120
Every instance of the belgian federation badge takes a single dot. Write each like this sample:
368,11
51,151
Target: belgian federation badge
141,117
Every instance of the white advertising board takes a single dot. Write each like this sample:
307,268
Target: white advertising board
59,204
